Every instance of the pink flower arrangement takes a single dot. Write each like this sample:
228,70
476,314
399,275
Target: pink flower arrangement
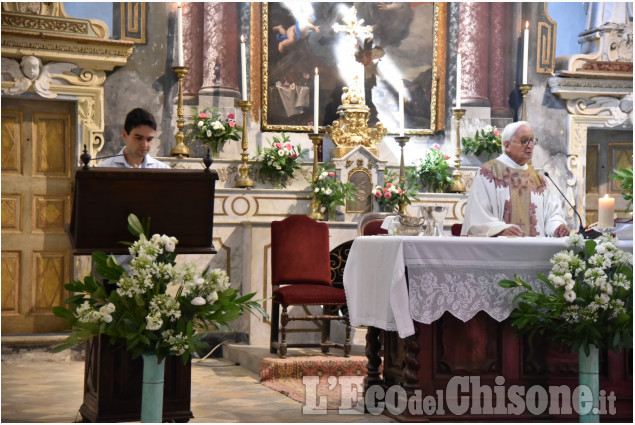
392,194
213,130
279,161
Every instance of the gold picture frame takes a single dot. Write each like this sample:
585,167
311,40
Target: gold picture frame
418,46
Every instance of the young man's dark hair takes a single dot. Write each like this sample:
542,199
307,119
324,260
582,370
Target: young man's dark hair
138,117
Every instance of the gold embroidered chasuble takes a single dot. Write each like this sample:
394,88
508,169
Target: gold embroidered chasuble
519,208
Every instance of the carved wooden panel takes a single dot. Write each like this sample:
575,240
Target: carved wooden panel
51,144
11,275
11,212
50,272
470,347
11,146
50,213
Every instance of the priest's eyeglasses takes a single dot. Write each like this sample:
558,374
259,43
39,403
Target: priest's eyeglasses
526,142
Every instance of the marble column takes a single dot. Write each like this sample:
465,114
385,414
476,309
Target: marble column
220,49
193,47
500,39
474,46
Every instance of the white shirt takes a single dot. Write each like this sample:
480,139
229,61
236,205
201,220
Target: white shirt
120,162
490,200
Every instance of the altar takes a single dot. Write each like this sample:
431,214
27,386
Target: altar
442,315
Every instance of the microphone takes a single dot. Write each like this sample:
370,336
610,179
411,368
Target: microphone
581,229
86,158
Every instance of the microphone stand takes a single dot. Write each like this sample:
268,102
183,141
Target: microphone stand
581,229
85,157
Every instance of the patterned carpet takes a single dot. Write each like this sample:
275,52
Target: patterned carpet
308,379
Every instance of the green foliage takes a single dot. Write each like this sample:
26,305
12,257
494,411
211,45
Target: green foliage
487,140
156,308
280,160
587,299
330,192
625,178
394,192
433,170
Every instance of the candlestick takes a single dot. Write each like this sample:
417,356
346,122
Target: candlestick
180,150
316,101
458,185
606,211
458,80
316,138
402,118
524,89
402,172
525,51
243,65
243,179
179,36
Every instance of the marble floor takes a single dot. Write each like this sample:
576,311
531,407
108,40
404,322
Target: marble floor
222,392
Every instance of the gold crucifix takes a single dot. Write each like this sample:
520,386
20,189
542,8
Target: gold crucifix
354,28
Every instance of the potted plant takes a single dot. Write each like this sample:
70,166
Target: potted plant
156,309
279,161
486,140
586,303
330,192
624,176
433,170
395,193
214,130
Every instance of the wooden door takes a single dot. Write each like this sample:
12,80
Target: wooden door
37,166
607,150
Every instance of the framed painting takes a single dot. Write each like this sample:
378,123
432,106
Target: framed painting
407,44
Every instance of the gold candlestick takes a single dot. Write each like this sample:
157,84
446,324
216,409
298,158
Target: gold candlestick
316,138
402,140
458,185
524,89
180,150
243,179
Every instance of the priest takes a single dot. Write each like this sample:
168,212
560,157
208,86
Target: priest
509,198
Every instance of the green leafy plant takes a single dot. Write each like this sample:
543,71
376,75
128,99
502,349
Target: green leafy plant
330,192
486,140
280,160
586,299
624,176
158,306
433,170
393,192
213,130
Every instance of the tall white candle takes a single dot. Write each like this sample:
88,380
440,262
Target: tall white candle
458,80
243,66
525,52
179,36
401,109
606,211
316,101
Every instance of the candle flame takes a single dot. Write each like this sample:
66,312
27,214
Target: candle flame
527,25
606,196
179,4
316,70
242,38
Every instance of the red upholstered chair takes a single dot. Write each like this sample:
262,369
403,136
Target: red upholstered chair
301,276
370,224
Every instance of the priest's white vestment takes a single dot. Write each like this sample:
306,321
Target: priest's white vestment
505,194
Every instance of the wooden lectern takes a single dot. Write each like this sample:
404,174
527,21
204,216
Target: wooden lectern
179,203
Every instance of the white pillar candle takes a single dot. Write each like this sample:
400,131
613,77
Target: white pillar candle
316,101
401,109
179,36
606,210
525,52
243,66
458,80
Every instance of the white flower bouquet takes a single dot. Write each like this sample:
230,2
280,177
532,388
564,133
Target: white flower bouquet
157,306
587,298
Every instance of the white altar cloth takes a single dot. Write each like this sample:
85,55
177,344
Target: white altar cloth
457,275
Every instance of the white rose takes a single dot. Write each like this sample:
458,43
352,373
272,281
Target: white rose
316,190
328,191
569,296
107,317
209,133
200,124
281,152
198,301
217,125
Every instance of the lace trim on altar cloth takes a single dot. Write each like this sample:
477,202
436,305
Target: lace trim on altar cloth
463,291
